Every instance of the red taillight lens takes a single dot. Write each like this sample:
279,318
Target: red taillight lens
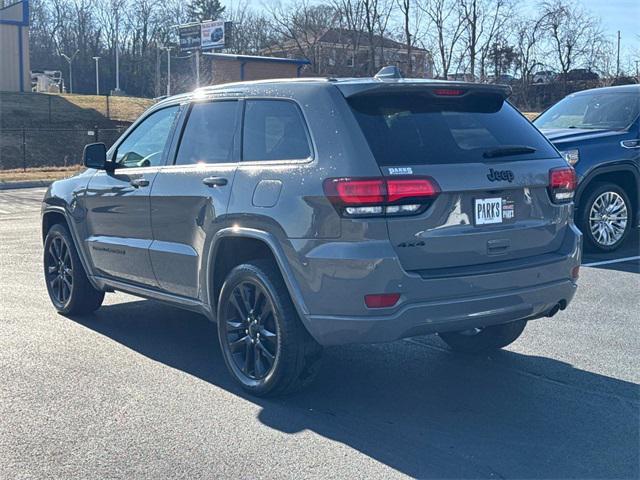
359,192
410,188
562,184
448,92
384,300
356,197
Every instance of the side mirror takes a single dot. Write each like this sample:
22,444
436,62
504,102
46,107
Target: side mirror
95,156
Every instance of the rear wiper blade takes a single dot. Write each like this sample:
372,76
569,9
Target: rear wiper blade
508,150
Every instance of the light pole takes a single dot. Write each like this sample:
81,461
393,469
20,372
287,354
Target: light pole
70,62
97,76
168,49
117,53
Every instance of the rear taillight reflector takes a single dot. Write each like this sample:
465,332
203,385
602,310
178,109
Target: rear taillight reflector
384,300
381,196
575,272
562,184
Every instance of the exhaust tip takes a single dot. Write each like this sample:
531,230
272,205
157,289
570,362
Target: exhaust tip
553,310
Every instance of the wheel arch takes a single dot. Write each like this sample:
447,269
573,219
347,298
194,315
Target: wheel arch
53,217
58,216
233,246
626,176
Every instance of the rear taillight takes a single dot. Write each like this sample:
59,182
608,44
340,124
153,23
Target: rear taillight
562,184
374,197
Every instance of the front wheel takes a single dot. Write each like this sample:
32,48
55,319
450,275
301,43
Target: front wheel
478,340
265,346
67,283
605,217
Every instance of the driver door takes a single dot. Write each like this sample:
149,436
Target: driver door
118,209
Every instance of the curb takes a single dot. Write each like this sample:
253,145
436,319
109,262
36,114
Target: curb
33,184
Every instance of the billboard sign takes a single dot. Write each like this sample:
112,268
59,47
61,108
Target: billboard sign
190,37
213,35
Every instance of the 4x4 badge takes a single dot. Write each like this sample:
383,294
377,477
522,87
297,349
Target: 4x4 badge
498,175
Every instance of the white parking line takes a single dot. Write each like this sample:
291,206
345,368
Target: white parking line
609,262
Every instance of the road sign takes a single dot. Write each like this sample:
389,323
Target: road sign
190,37
213,35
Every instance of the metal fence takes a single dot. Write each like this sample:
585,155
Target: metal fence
27,147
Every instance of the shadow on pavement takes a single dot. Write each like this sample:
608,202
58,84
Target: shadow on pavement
418,409
629,249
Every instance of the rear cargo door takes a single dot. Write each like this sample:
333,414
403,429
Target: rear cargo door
492,168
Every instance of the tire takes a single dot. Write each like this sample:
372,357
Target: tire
67,283
256,319
481,340
609,234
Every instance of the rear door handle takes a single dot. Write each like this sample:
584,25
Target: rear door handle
139,182
215,181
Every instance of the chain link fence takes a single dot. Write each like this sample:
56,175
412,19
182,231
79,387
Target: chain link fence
24,148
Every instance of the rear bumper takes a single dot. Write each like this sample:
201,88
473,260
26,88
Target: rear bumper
334,312
452,315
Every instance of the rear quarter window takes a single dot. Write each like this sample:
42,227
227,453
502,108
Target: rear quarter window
413,129
274,130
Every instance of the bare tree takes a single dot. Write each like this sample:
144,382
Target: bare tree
573,33
483,19
350,17
448,28
413,25
302,24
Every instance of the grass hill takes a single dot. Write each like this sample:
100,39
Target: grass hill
43,130
43,110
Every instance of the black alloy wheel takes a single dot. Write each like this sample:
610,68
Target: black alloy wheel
265,346
251,330
59,271
69,288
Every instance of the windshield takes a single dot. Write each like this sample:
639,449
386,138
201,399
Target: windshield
410,129
605,111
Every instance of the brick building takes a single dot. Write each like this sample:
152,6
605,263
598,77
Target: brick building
234,68
341,52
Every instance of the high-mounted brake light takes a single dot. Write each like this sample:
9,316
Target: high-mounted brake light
448,92
562,184
366,197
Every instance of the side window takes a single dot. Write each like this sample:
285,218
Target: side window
209,134
145,145
274,130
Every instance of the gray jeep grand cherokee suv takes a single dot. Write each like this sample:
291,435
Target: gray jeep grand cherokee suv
305,213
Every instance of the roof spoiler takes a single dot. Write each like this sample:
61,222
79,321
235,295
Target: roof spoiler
391,85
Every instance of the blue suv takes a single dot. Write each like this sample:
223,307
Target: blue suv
598,133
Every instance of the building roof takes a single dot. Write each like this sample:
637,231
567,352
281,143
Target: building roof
344,36
15,14
256,58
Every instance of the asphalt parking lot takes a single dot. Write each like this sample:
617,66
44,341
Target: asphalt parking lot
139,390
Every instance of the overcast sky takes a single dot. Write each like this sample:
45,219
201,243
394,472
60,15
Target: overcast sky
623,15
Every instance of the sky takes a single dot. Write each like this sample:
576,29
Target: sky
623,15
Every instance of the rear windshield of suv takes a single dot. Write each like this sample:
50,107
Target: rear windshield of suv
411,129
